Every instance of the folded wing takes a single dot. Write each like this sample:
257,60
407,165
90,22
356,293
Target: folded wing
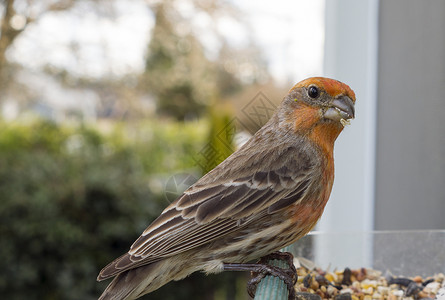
208,212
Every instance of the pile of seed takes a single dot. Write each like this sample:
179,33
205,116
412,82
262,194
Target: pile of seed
366,284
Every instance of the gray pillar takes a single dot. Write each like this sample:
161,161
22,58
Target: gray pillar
410,172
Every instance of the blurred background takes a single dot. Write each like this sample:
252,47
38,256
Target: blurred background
110,108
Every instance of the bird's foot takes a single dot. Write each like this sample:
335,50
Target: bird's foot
263,268
287,257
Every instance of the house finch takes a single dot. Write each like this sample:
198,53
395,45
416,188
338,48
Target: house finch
263,197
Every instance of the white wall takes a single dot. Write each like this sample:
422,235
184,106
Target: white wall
351,57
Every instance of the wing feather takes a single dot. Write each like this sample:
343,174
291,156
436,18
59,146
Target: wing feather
219,204
290,198
192,225
212,209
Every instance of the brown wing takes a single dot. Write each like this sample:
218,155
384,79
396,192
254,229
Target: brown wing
207,212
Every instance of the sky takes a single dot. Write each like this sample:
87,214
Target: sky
290,34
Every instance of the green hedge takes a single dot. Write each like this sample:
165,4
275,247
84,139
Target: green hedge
73,199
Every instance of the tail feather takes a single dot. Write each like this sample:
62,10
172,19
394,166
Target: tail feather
134,283
119,265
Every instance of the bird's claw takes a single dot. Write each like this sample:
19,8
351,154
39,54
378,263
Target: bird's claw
288,276
287,257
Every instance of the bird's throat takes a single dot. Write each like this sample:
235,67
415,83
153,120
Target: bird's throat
324,135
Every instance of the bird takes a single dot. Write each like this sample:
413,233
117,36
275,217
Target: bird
263,197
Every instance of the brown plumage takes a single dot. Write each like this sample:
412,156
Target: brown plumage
265,196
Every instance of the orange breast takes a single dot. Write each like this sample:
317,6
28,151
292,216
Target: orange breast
307,213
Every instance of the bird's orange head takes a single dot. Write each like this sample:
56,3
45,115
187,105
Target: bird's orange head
332,87
319,108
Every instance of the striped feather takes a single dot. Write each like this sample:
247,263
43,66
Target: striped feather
222,202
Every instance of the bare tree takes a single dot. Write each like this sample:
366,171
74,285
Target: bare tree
179,72
16,17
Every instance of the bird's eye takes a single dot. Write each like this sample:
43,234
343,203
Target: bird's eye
313,92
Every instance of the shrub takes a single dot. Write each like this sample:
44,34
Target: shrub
73,199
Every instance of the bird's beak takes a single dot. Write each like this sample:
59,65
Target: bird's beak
340,110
